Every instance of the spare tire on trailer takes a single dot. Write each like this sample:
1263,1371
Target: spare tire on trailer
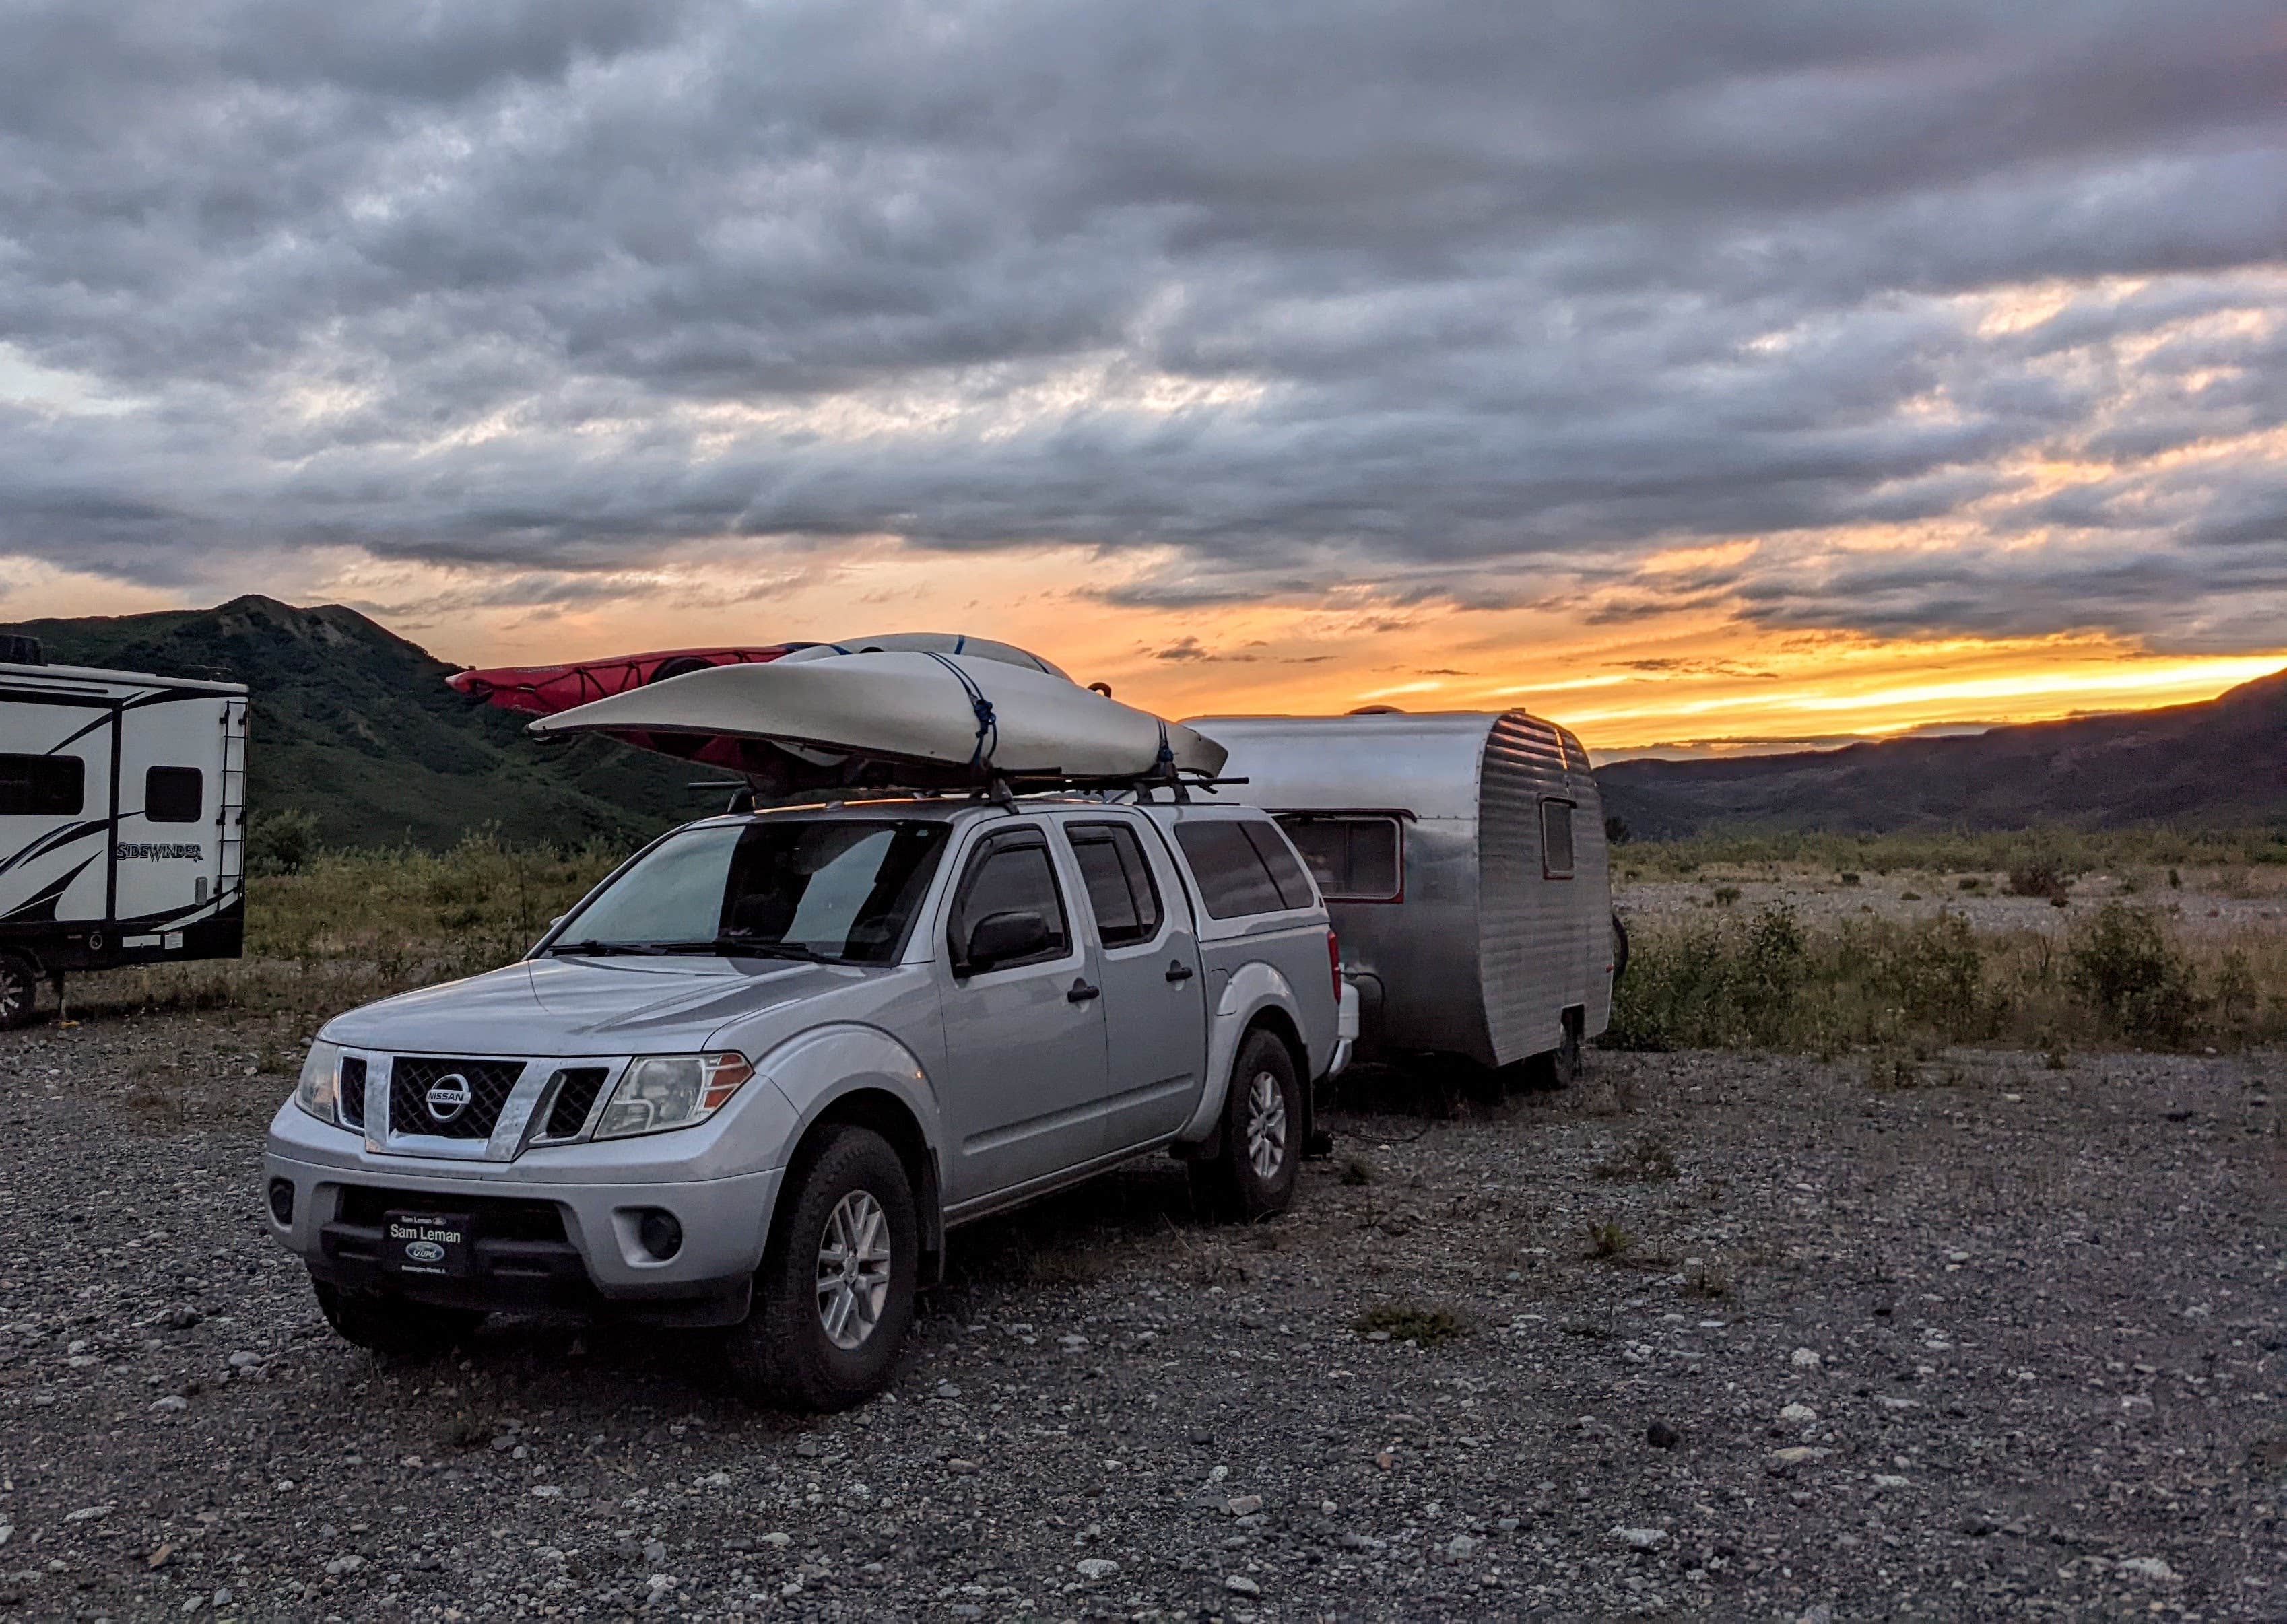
1620,949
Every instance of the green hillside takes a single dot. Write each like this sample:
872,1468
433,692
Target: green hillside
356,726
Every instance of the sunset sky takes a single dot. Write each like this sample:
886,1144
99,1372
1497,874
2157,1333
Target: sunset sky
1764,373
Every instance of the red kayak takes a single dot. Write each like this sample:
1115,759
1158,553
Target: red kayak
543,691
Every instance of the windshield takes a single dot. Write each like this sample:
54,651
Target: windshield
840,889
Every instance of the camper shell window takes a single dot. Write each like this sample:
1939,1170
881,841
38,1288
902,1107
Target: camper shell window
1556,839
1243,867
174,794
42,785
1355,857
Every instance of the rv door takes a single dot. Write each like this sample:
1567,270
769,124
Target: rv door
170,783
55,807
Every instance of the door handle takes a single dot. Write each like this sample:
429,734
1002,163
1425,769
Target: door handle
1081,992
1178,971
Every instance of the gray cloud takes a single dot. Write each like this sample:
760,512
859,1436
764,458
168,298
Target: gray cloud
1451,302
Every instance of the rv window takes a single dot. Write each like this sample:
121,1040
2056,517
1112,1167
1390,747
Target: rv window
1354,859
173,794
1556,839
42,785
1120,887
1231,870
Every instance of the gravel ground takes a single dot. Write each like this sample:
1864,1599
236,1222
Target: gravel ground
2012,1343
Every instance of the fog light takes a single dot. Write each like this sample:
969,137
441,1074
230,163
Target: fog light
660,1234
281,1200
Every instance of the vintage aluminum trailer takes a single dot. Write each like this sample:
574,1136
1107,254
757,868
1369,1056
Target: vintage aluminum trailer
121,821
1463,856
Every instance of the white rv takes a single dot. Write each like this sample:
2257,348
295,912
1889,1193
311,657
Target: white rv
1462,855
121,822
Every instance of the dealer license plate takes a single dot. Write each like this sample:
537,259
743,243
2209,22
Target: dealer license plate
428,1242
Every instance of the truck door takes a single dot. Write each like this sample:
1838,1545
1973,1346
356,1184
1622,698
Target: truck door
55,809
1154,996
1022,1083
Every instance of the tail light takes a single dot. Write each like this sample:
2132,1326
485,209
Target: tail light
1335,963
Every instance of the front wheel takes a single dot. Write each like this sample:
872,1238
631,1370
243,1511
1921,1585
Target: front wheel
1255,1175
834,1295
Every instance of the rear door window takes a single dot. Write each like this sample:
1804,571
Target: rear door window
1235,877
174,794
1120,890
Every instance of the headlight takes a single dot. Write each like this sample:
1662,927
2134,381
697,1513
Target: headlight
671,1091
316,1093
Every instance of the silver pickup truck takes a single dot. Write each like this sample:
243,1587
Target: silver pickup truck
753,1077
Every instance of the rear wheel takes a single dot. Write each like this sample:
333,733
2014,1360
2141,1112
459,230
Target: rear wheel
834,1295
1559,1068
1262,1117
391,1325
20,991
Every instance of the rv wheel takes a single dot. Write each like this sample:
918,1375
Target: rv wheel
19,990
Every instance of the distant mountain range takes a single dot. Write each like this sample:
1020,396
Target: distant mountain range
2221,762
355,724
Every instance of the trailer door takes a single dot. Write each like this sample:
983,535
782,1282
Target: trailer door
170,785
55,807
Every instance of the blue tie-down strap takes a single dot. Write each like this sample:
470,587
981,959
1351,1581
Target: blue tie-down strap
1166,764
988,728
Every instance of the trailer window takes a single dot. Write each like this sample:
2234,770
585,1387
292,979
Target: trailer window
1120,891
1235,876
174,794
1355,859
42,785
1556,839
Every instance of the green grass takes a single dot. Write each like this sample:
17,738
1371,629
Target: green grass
2124,975
355,926
2072,851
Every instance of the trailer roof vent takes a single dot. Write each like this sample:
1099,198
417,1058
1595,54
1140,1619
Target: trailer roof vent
22,651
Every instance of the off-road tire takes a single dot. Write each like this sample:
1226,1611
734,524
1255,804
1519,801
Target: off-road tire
392,1325
782,1353
20,991
1231,1184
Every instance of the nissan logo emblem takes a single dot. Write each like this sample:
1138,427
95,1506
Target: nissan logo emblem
449,1097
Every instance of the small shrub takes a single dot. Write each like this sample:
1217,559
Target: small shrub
1725,896
1356,1171
1910,896
2175,880
1608,1240
2041,876
1706,1282
280,842
2122,964
1892,1070
1411,1323
1846,878
1648,1158
1972,883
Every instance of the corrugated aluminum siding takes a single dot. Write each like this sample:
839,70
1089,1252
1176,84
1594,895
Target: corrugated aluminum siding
1530,945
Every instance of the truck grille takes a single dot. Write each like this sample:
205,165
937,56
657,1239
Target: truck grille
576,1088
487,1083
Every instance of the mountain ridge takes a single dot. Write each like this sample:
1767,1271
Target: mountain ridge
2210,762
353,724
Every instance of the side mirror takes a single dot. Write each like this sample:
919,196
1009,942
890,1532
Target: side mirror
1003,938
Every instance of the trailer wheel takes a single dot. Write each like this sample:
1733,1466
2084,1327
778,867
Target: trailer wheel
1255,1173
19,990
1558,1068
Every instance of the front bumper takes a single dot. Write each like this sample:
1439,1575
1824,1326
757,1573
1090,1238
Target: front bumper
541,1241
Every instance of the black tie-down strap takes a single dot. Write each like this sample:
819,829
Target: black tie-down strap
988,726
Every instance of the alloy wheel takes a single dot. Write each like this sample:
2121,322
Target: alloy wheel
853,1270
1266,1125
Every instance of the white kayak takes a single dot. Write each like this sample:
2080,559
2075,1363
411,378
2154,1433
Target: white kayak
957,715
926,642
